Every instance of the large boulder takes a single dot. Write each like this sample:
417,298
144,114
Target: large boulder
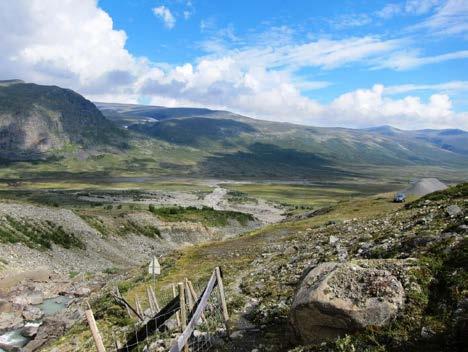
51,328
32,313
339,298
10,321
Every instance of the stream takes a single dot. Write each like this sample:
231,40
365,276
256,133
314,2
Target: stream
49,307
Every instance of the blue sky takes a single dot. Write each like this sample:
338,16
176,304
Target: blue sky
332,63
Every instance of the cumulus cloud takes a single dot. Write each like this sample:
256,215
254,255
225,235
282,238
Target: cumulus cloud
74,44
166,15
60,41
370,106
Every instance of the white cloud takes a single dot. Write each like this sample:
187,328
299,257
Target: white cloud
389,11
449,87
420,7
408,60
410,7
323,53
62,42
369,107
223,84
74,44
451,18
166,15
351,20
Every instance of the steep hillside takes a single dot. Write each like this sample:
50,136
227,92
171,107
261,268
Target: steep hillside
37,119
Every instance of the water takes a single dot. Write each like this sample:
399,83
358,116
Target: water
13,338
49,306
54,305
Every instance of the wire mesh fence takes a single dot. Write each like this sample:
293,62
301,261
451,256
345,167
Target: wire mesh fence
160,324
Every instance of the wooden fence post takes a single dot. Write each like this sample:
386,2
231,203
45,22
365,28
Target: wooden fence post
94,329
183,310
138,307
195,296
222,297
174,294
150,301
155,299
188,294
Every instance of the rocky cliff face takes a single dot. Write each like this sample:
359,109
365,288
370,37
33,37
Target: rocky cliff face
35,119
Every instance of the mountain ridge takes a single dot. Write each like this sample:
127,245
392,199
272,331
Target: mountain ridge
36,119
38,122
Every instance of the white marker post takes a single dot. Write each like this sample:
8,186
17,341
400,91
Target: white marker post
154,269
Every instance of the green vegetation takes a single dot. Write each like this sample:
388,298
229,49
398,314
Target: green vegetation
145,230
213,144
437,281
292,194
39,235
206,215
240,198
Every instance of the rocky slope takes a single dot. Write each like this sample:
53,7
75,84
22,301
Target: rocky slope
64,241
393,282
377,276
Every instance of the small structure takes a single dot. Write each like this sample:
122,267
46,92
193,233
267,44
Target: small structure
154,268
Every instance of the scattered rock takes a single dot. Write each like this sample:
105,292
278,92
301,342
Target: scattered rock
9,348
333,239
427,333
36,299
10,321
30,329
5,306
342,253
82,291
32,313
51,328
453,211
290,251
335,299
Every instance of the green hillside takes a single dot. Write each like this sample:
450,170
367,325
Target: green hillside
57,134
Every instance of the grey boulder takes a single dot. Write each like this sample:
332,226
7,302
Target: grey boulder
339,298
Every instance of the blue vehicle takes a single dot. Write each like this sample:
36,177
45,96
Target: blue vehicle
399,198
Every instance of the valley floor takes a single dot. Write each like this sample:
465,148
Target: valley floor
263,261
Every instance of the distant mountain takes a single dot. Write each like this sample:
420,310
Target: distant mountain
242,146
454,140
125,114
38,122
37,119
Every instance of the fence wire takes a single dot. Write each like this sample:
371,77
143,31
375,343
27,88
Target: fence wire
158,331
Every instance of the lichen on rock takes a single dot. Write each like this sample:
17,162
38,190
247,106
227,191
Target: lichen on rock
338,298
